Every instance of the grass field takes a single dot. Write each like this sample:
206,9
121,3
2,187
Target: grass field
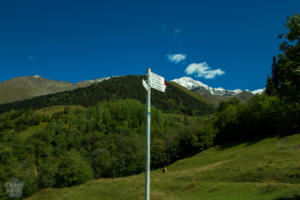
268,169
23,135
54,109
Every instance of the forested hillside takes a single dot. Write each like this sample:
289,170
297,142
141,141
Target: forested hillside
106,140
173,100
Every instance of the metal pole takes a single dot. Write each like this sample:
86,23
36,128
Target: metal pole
147,167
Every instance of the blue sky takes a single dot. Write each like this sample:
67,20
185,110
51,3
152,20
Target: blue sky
221,43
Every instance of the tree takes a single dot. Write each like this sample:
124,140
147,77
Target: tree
48,171
73,170
273,82
270,87
275,73
286,71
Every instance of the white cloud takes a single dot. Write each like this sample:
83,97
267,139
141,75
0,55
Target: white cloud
203,70
176,58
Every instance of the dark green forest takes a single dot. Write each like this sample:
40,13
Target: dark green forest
107,138
173,100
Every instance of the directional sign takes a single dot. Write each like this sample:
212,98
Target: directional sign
158,82
145,85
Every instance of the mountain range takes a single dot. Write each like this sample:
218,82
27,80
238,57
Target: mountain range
192,84
215,95
27,87
176,99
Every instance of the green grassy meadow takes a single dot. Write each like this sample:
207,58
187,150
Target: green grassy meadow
55,109
23,135
267,169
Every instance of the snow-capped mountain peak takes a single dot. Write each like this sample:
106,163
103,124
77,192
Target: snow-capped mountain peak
258,91
36,76
189,83
192,84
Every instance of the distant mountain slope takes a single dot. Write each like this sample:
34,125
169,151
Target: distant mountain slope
215,95
9,93
189,92
174,100
26,87
216,99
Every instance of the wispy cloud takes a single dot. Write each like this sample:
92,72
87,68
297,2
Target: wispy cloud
176,58
203,70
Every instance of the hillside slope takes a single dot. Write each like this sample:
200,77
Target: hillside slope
174,100
32,86
243,96
26,87
264,170
10,93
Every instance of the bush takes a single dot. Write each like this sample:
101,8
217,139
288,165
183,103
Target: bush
48,171
73,170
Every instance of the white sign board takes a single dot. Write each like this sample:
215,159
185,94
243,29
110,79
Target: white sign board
145,85
158,82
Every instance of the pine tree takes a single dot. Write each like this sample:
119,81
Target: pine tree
270,87
273,81
275,73
285,80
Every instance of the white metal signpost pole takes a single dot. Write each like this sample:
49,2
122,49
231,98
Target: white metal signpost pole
156,82
147,173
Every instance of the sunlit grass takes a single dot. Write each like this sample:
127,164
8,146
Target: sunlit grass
265,170
32,130
55,109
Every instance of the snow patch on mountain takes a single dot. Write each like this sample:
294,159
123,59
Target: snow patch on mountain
258,91
36,76
191,84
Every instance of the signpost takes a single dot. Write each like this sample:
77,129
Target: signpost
156,82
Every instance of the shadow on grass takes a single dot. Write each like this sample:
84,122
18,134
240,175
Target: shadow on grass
296,197
246,141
